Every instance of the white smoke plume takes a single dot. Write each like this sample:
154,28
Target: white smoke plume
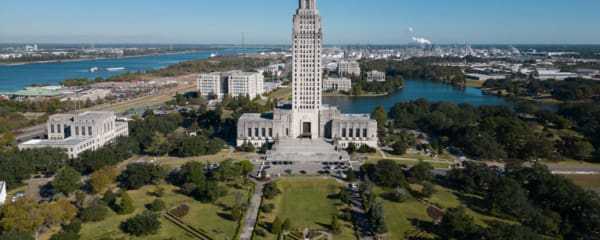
421,40
410,29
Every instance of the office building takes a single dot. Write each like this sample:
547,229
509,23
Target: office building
348,68
375,76
337,84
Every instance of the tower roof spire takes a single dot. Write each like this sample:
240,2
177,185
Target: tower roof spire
307,4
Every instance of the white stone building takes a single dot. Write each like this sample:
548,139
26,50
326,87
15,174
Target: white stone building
375,76
232,83
77,133
348,68
306,117
2,192
337,84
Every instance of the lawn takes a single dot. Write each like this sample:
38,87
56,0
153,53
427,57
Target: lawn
308,203
411,162
211,217
588,182
407,217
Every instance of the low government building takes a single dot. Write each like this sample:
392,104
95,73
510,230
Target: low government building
337,84
234,83
349,68
77,133
375,76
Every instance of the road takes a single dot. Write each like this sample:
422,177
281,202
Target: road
252,213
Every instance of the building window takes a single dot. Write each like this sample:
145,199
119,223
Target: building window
83,131
365,133
76,131
249,132
287,132
343,132
264,132
51,128
358,132
350,132
90,131
270,132
256,132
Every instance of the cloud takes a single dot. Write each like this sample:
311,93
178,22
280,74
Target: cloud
412,30
421,40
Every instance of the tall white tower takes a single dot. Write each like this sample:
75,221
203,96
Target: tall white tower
307,79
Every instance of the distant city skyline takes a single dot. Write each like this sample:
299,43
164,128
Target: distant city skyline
267,21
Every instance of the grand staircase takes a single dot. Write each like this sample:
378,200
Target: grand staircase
305,150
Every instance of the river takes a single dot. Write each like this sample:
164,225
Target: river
415,89
14,78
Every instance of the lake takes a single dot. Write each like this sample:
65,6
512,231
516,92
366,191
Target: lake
14,78
415,89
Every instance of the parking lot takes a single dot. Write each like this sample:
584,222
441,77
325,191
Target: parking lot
278,169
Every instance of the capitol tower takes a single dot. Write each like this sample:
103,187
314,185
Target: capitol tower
305,129
307,45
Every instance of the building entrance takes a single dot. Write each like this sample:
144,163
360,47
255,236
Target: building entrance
306,130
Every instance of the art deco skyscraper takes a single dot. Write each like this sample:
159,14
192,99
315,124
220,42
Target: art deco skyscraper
307,77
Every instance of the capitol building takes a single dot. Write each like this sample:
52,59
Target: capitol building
306,120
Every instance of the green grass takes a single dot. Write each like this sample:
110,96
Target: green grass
308,203
588,182
282,93
406,217
210,217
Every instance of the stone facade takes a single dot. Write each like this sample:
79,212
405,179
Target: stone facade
348,68
306,117
375,76
337,84
234,83
77,133
2,192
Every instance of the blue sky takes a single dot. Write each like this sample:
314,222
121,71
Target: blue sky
269,21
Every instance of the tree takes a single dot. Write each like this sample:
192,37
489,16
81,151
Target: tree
270,190
109,197
399,147
16,236
247,168
350,176
236,213
66,181
276,226
377,218
192,172
65,236
344,196
102,178
95,212
287,225
456,224
399,194
380,116
336,226
428,189
126,205
159,144
25,215
421,172
141,225
582,150
227,170
387,173
157,205
138,174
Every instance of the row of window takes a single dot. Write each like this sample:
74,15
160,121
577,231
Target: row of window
351,132
261,133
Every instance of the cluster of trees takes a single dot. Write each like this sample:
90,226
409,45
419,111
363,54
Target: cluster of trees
427,68
359,84
26,218
492,132
197,180
543,203
217,64
19,165
572,89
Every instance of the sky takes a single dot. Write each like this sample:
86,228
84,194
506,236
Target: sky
270,21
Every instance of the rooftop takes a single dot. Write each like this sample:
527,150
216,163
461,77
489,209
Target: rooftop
64,142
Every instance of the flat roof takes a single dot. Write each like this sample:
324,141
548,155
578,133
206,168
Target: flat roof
65,142
257,116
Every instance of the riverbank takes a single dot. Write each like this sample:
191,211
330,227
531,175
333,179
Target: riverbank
367,94
95,58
